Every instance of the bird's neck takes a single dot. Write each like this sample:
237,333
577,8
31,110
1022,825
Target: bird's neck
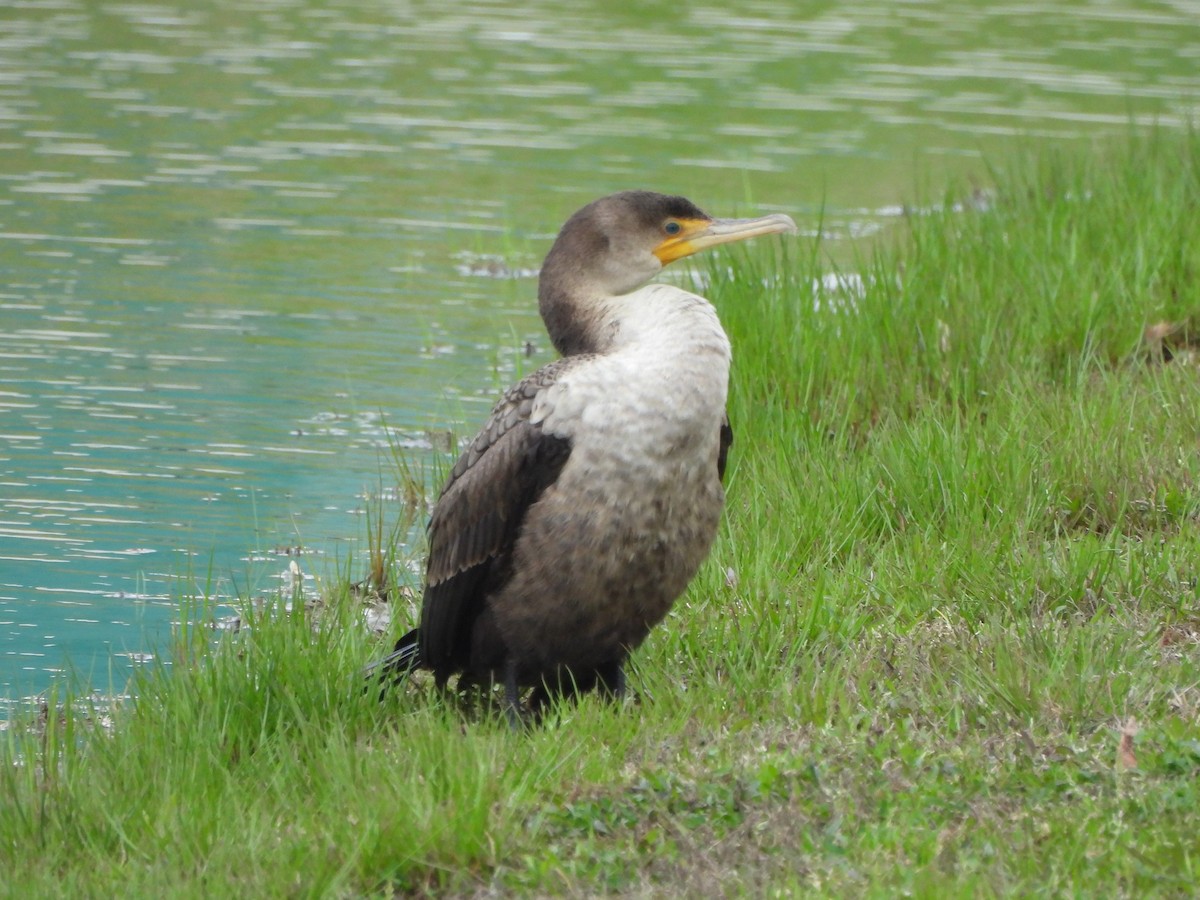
666,321
659,318
581,303
574,321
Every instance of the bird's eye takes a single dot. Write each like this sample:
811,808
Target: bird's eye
672,228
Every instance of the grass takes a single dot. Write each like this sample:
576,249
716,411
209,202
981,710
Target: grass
948,642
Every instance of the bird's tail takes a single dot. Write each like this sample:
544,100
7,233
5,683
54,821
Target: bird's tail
397,664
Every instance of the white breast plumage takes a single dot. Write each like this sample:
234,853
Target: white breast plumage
663,383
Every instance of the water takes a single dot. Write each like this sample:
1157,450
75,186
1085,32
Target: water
237,240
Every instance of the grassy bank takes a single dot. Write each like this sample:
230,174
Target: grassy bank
948,641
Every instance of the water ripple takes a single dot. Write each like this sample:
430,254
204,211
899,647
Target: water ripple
237,238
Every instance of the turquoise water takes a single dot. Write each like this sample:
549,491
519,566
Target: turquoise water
241,242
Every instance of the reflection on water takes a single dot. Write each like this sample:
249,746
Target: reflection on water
236,237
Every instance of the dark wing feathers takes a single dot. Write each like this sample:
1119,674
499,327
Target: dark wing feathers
478,515
723,448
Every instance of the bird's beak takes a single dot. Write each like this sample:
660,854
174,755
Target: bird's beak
700,234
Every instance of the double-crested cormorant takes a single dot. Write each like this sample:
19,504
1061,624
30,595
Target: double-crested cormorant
583,508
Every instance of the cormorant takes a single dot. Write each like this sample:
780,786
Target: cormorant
581,511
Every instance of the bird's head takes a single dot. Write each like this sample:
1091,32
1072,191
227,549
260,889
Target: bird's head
616,244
